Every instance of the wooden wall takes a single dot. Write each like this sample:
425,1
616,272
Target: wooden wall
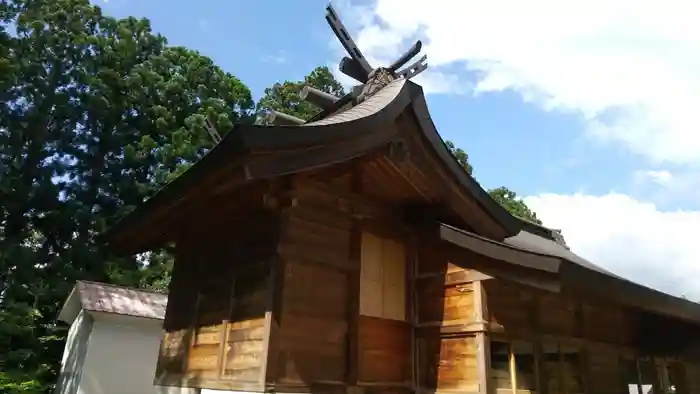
579,345
311,326
217,316
320,341
449,325
524,312
279,298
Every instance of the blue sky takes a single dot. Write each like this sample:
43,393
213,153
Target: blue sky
266,41
586,109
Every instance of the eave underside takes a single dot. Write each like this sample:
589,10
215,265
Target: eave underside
564,272
405,163
395,116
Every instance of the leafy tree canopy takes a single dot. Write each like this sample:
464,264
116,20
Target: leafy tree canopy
513,204
504,196
461,156
96,113
284,97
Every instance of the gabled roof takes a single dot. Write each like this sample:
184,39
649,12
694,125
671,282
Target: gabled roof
339,137
571,272
107,298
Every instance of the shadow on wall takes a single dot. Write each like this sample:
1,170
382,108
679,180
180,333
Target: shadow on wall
74,355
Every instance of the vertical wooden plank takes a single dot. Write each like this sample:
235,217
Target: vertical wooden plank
564,388
275,301
485,314
512,367
662,368
537,343
191,331
353,355
411,243
265,359
583,350
224,328
639,375
482,356
539,381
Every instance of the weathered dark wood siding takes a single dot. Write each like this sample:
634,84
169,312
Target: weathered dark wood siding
217,321
583,345
450,327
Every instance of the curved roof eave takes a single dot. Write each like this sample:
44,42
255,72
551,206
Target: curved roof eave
499,214
582,275
243,140
528,241
531,251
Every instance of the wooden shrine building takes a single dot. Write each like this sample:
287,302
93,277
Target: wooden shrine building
352,254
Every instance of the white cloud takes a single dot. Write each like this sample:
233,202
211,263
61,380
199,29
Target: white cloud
659,177
631,69
631,238
679,187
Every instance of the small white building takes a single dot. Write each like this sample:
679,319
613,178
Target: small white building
113,341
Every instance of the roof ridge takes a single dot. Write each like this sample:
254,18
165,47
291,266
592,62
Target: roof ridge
553,234
136,289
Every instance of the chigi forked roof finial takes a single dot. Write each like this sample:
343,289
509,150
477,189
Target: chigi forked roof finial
358,68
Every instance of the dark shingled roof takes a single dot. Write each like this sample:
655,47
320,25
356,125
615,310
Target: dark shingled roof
350,131
106,298
538,244
572,272
337,137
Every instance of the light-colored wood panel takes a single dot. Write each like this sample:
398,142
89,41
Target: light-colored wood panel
383,278
372,298
394,258
243,361
244,324
245,334
243,347
243,375
372,259
439,303
209,337
448,363
203,358
394,305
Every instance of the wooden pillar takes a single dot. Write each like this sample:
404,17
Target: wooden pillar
355,254
512,368
482,342
277,200
537,343
639,375
583,350
412,256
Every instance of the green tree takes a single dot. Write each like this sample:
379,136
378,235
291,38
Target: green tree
513,204
284,97
461,156
96,114
504,196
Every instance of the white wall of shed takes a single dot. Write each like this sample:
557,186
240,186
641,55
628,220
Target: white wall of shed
122,355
